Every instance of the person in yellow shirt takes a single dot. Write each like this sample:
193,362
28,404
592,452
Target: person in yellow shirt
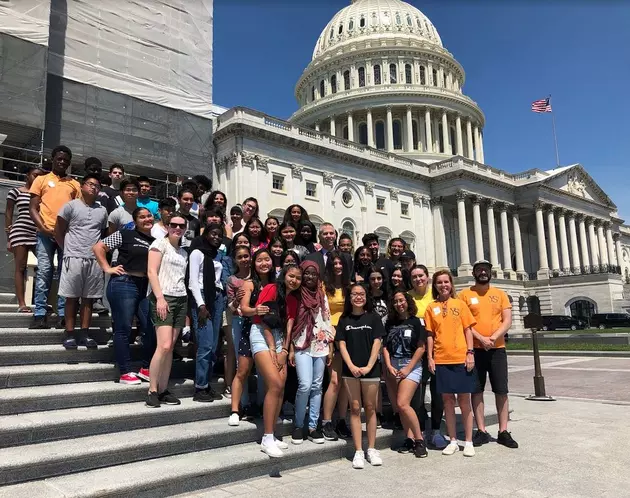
451,357
492,311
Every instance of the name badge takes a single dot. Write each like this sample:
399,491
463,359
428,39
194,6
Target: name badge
437,310
474,300
407,333
422,321
51,184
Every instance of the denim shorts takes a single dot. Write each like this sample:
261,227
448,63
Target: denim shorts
415,375
257,339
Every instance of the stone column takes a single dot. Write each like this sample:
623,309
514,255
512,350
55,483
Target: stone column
476,201
445,134
436,135
492,239
505,238
611,246
586,261
427,129
553,239
595,256
481,147
350,127
370,129
543,270
441,258
470,153
429,74
603,250
575,250
390,130
421,132
465,268
618,250
458,135
518,245
564,245
333,127
409,124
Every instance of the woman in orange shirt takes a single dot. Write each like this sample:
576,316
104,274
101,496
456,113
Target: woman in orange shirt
451,356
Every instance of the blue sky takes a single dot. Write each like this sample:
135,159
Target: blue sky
512,52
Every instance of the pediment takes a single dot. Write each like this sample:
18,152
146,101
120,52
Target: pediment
576,181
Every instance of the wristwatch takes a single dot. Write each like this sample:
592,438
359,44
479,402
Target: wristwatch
470,351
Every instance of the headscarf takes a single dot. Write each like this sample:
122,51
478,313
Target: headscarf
311,302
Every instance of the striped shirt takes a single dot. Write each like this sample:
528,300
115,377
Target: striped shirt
172,271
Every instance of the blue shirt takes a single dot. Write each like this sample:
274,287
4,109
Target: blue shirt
151,205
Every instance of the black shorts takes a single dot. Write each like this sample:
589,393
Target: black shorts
492,362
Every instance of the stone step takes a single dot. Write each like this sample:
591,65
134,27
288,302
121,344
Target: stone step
39,461
70,373
25,337
23,320
8,298
11,308
45,426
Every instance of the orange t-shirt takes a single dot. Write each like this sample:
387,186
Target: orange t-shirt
487,308
54,193
446,322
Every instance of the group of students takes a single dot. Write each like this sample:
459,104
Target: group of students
323,323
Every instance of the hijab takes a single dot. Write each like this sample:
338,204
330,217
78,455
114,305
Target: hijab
311,303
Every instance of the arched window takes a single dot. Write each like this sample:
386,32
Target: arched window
397,128
349,228
377,74
362,22
361,76
533,304
582,308
333,83
414,133
408,74
409,20
363,134
380,134
441,135
384,234
444,75
351,25
332,33
423,76
435,80
398,19
341,28
344,133
312,93
346,80
392,73
410,240
454,142
322,89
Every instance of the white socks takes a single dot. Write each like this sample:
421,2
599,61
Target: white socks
268,439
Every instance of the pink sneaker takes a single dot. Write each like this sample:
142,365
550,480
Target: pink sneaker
130,378
144,374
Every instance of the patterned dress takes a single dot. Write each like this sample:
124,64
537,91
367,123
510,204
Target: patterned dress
23,231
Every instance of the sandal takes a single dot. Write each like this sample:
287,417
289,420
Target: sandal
24,309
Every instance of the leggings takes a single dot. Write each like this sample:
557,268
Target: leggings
437,405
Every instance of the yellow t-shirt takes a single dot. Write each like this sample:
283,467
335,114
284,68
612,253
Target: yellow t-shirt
446,322
422,302
487,308
54,193
335,303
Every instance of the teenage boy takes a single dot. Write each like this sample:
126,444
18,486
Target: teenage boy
236,217
48,195
80,225
186,199
121,218
370,240
493,313
144,196
166,208
116,175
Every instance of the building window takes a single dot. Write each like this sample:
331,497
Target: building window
423,76
435,80
408,74
346,80
322,89
398,19
363,133
392,73
383,236
346,198
397,128
348,228
361,76
377,74
414,133
380,203
409,21
311,189
454,142
445,80
344,134
380,135
351,25
404,209
332,33
278,182
362,22
333,83
341,28
312,94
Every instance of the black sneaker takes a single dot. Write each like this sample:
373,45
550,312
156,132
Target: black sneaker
378,421
329,432
153,400
248,413
297,436
480,438
343,430
203,396
316,437
397,422
168,398
215,395
70,343
61,323
407,446
420,449
505,438
87,341
39,322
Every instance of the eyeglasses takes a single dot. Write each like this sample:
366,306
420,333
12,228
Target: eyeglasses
95,186
177,225
130,191
357,294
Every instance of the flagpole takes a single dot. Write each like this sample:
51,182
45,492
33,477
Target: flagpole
555,137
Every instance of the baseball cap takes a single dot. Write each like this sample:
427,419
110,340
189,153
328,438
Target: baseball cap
408,255
480,262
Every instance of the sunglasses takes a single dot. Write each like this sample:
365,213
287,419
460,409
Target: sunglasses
177,225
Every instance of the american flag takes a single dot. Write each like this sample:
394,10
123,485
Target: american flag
542,105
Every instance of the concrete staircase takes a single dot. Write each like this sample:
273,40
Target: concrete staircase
67,429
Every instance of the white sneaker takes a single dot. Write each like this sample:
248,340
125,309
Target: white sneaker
280,443
374,457
469,451
271,448
358,462
451,448
234,420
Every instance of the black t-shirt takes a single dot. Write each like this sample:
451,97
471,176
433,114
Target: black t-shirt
114,199
404,337
133,249
192,230
385,264
359,333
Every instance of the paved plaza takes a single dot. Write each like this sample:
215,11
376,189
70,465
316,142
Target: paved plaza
568,448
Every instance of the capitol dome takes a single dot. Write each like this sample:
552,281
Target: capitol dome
380,76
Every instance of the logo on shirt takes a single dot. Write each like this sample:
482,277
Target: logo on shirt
494,299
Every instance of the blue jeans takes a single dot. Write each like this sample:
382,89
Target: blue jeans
45,251
207,338
310,372
127,296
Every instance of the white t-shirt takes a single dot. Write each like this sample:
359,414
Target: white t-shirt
158,231
172,270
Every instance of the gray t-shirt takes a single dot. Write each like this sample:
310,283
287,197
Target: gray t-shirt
122,219
85,227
